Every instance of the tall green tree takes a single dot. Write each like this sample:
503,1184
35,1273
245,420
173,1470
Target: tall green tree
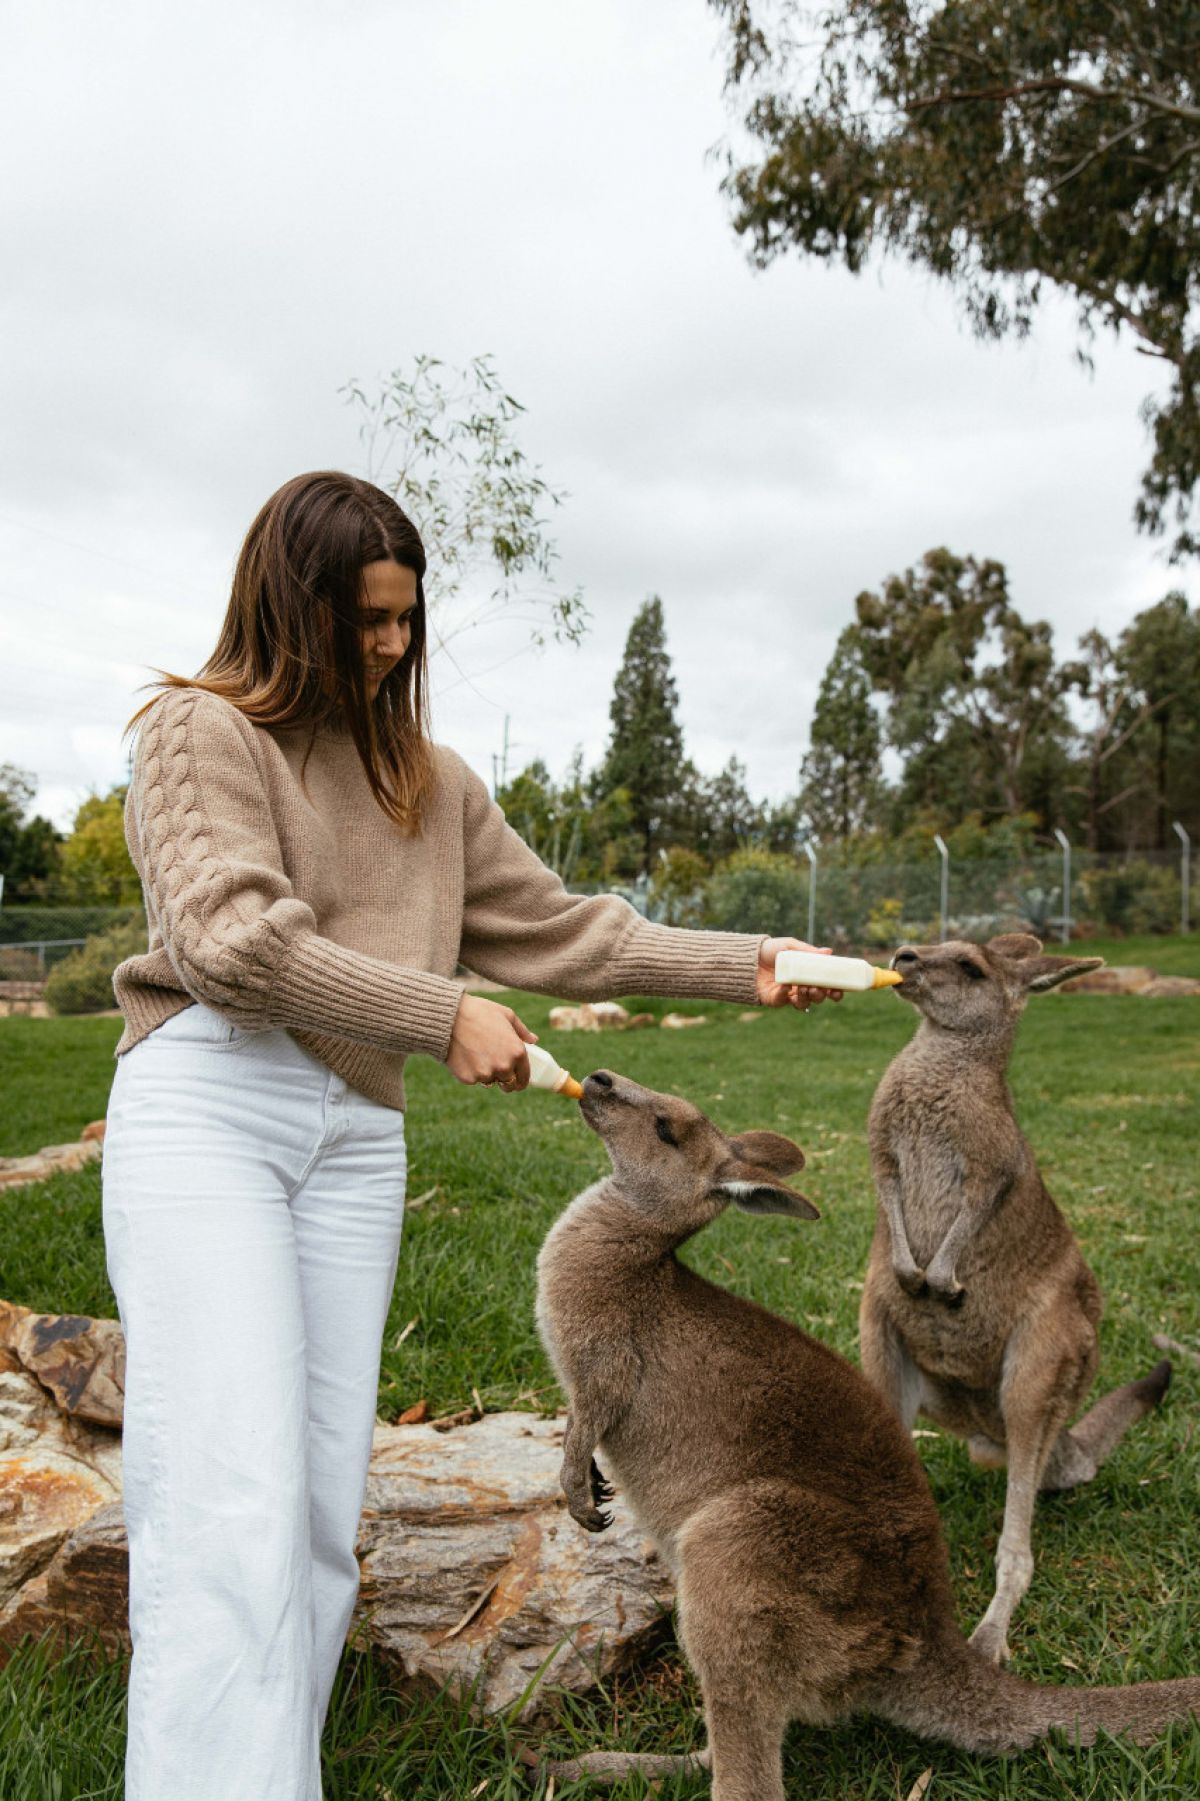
1006,147
976,700
1158,655
95,867
645,753
29,847
841,776
727,817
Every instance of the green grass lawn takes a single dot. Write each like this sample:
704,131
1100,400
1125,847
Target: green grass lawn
1175,956
1107,1089
55,1075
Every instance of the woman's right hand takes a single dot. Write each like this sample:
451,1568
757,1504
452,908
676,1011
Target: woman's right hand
488,1045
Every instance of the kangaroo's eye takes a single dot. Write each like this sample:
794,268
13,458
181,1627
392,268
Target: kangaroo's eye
972,969
662,1126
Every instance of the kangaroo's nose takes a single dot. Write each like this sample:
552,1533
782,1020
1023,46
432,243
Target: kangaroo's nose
905,959
601,1078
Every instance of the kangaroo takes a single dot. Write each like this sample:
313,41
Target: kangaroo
978,1309
812,1576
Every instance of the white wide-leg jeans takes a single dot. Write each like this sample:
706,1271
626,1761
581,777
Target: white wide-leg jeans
252,1212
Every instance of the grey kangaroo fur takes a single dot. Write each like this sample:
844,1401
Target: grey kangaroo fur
812,1575
978,1309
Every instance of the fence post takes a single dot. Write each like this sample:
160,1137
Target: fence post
944,853
1185,876
1066,912
810,851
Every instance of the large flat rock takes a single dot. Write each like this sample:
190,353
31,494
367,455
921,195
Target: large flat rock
81,1361
474,1574
55,1472
474,1571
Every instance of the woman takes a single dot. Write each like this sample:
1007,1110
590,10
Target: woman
314,869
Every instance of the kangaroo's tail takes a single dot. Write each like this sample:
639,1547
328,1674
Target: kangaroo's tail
956,1695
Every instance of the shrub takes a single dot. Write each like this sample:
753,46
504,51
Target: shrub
82,982
885,923
1133,897
677,890
758,891
24,925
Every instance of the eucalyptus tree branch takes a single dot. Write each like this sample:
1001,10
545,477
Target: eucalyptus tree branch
1056,84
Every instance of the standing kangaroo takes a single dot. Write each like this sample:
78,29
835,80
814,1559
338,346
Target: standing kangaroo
978,1309
812,1575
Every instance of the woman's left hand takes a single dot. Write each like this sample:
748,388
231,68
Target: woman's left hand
777,994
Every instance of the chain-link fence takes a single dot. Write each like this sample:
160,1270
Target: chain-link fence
1053,893
1057,894
34,939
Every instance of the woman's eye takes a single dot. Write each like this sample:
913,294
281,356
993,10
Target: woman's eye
663,1128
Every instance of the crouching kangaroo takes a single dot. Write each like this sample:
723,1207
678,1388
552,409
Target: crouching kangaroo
978,1309
812,1575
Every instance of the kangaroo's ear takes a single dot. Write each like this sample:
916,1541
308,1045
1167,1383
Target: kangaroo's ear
757,1190
770,1150
1014,944
1040,973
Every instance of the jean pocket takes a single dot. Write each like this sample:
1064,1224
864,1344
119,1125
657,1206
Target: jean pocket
199,1024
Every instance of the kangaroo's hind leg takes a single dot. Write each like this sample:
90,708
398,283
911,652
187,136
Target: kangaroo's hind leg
1047,1366
605,1767
779,1621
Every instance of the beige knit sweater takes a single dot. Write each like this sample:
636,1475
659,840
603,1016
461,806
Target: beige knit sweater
283,901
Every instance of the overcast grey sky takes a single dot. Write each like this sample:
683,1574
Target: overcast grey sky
224,211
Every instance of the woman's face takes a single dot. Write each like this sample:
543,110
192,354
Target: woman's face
387,606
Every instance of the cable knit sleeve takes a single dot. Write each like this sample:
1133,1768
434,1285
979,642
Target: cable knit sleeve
237,936
521,927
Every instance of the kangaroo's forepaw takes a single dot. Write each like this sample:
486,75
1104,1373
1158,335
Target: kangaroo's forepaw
912,1280
991,1641
602,1490
592,1519
952,1294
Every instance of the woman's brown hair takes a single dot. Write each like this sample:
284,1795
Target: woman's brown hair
290,650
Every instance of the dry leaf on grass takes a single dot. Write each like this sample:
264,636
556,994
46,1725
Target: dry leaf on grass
421,1200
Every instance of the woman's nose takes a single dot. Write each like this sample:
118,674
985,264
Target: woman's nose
393,640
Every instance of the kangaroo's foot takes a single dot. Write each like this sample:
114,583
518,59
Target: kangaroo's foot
1080,1449
606,1767
1014,1559
986,1452
990,1639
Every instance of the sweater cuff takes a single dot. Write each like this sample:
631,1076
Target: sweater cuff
671,960
323,987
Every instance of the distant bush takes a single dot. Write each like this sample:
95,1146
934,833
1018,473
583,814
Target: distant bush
758,891
26,924
82,982
888,925
677,891
1138,896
